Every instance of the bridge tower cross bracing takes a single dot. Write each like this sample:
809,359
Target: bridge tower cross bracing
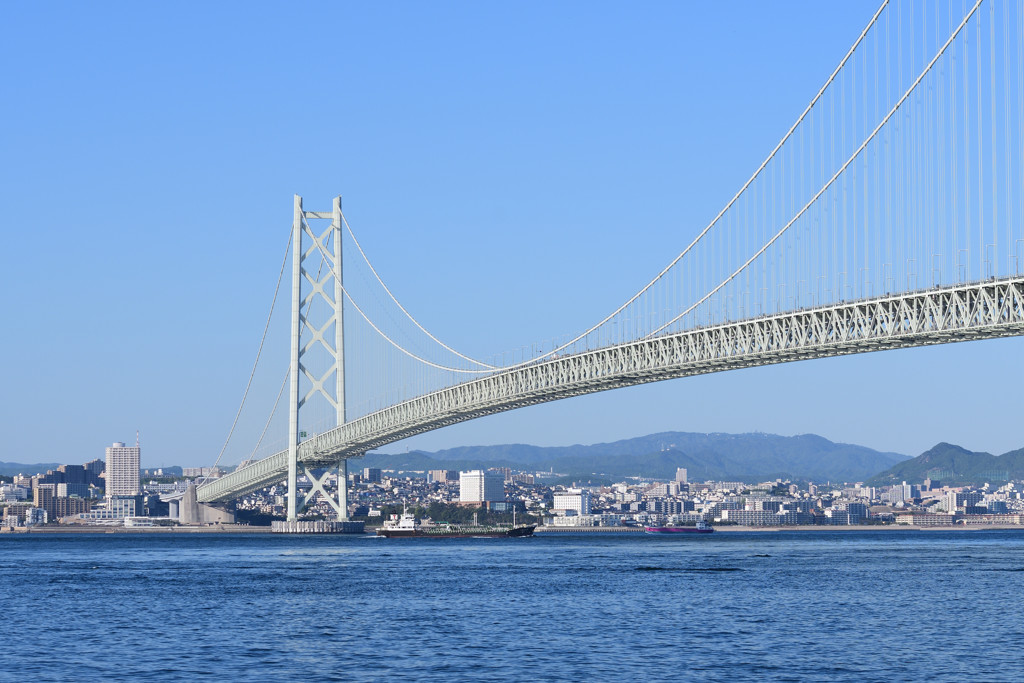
328,246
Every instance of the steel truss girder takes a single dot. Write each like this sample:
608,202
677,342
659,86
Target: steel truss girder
982,310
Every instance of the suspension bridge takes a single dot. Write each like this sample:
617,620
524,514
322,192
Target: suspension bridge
889,215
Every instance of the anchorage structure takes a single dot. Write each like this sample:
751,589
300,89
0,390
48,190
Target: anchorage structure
321,357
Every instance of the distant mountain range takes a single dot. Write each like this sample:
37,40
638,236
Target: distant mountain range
729,457
721,457
956,466
9,469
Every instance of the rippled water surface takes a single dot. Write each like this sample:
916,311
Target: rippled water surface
807,605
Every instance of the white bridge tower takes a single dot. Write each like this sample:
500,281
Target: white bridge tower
321,311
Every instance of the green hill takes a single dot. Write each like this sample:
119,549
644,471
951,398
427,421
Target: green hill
956,466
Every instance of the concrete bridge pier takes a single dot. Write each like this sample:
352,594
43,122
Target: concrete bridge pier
193,513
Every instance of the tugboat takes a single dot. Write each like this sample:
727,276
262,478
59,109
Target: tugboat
701,528
407,526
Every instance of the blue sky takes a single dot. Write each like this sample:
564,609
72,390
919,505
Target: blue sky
514,170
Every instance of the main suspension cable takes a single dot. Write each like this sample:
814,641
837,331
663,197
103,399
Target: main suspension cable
402,308
832,180
259,352
728,206
389,339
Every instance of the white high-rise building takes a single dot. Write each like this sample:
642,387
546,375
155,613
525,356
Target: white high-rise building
681,475
123,470
576,500
477,486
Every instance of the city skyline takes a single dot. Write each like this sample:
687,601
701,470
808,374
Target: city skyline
610,149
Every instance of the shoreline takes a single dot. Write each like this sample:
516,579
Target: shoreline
216,529
803,528
242,529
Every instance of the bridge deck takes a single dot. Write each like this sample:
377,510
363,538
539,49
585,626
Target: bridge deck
982,310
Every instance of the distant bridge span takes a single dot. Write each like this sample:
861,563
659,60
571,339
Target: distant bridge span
982,310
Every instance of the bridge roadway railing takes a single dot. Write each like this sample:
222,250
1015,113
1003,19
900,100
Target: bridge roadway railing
980,310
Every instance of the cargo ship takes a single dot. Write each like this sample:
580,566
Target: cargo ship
700,528
407,526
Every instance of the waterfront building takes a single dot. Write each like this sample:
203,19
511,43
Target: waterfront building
14,514
750,517
35,516
477,486
837,517
991,519
123,470
792,517
572,521
926,519
574,500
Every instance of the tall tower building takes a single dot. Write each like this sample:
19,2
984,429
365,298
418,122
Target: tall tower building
476,486
123,470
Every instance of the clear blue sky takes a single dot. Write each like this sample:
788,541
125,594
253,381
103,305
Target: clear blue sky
515,171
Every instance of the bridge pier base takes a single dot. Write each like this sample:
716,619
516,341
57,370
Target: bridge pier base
193,513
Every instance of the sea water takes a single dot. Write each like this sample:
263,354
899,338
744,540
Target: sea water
797,606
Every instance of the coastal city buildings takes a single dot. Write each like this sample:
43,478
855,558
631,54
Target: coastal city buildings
75,494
